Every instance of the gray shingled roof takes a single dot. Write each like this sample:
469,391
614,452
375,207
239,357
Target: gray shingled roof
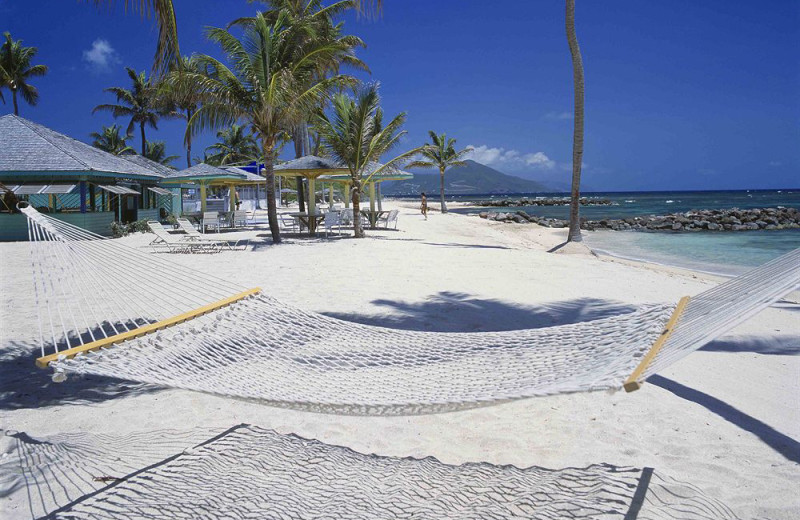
308,163
202,170
29,147
252,177
161,169
389,174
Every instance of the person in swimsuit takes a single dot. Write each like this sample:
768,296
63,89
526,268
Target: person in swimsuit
424,206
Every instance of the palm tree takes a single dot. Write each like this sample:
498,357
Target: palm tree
442,154
266,86
16,70
110,140
157,151
354,135
184,97
234,146
140,103
317,22
577,133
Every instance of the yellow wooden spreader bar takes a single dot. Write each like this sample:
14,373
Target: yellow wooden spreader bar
632,383
44,361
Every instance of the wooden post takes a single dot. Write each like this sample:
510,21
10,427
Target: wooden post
346,194
372,218
82,185
202,196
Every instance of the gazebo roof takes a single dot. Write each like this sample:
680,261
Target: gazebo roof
249,177
309,166
204,172
389,174
30,149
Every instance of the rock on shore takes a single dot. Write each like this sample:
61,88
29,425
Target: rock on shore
695,220
556,201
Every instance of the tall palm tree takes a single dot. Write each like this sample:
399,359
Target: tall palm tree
110,140
141,103
442,154
355,136
16,70
266,86
157,151
317,22
577,132
184,98
234,146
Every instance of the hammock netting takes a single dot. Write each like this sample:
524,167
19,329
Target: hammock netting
252,472
89,288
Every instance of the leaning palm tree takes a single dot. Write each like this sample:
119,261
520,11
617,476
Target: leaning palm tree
110,140
355,136
141,103
577,133
157,151
233,146
16,70
266,86
442,154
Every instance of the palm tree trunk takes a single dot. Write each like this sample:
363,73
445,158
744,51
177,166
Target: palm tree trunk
355,190
272,209
14,97
577,136
297,137
144,141
441,189
189,114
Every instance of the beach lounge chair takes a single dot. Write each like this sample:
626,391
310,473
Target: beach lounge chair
288,222
193,235
174,244
390,219
210,220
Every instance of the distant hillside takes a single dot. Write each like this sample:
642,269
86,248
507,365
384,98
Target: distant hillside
471,178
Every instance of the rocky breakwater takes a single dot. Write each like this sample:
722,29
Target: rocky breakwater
691,221
557,201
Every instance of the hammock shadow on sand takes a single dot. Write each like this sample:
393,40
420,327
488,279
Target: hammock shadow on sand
22,385
781,443
460,312
258,473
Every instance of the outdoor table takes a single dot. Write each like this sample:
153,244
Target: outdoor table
373,216
309,221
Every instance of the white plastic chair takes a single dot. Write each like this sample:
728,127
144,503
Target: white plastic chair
389,219
210,220
332,220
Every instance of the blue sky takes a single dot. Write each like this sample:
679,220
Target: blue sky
679,95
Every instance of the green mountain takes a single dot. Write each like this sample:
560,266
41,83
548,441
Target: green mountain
471,178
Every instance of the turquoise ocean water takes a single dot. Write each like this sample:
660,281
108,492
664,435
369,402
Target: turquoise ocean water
726,253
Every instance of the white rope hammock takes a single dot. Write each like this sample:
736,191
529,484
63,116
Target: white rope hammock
181,328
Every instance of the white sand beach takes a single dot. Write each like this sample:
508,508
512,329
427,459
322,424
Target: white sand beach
725,420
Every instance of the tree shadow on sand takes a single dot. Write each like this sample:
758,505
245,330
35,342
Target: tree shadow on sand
459,312
23,385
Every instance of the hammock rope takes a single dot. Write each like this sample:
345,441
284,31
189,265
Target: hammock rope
93,292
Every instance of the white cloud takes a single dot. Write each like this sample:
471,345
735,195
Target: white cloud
559,116
101,56
511,159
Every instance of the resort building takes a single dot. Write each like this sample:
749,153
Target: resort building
74,181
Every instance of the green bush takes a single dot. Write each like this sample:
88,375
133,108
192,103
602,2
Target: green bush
120,230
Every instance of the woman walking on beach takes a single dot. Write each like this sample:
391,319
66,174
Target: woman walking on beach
424,206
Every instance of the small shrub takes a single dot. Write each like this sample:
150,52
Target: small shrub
119,230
